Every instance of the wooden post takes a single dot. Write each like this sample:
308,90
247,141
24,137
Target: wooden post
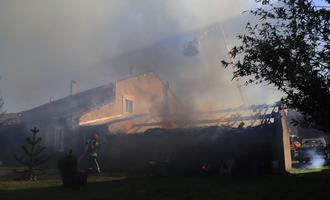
285,153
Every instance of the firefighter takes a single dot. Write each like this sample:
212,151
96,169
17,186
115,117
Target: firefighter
92,147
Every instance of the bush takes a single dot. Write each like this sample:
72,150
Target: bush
71,176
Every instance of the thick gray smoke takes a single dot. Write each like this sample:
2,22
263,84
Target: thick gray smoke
44,44
317,160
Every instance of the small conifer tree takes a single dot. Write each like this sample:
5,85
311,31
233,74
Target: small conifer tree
33,157
2,112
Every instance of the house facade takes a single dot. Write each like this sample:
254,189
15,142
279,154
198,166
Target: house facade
118,106
139,99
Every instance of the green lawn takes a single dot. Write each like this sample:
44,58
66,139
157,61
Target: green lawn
303,186
312,170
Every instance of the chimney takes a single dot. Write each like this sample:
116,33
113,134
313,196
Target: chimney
166,91
131,71
51,99
73,87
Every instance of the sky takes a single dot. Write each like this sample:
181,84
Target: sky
320,3
44,44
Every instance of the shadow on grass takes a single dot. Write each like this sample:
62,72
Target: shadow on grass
300,187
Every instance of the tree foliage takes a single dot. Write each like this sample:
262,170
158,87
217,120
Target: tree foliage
289,47
33,157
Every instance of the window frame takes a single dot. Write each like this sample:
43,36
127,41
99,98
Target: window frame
128,102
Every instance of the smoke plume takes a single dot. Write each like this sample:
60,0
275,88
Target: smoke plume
45,44
317,160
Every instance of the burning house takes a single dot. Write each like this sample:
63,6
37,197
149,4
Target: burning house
144,104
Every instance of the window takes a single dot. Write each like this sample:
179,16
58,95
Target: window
128,106
59,139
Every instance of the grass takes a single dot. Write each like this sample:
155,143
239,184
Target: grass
305,171
301,186
46,183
